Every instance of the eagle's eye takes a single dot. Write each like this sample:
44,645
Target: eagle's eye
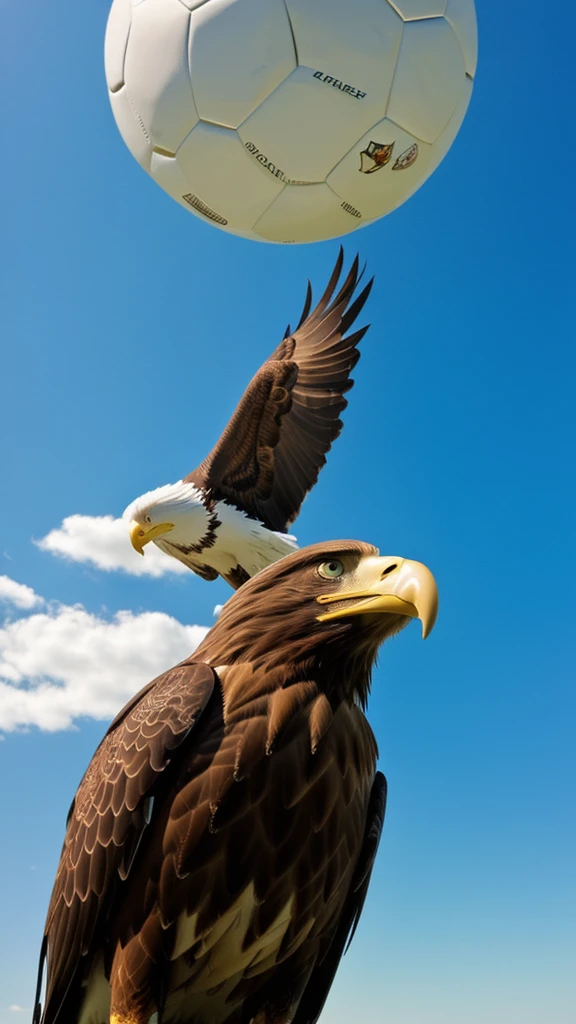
147,519
331,570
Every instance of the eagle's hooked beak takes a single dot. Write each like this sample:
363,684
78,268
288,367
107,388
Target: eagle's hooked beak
142,535
397,586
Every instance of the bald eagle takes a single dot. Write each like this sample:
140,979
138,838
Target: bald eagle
230,516
219,848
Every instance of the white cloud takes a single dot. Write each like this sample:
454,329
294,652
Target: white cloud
104,542
18,594
16,1009
64,663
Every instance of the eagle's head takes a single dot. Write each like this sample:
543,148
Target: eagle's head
174,517
324,610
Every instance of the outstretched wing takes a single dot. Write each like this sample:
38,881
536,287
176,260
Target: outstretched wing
273,448
320,982
111,810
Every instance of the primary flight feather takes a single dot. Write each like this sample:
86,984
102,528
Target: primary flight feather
219,848
230,516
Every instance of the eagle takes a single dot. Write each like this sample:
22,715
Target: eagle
219,848
230,515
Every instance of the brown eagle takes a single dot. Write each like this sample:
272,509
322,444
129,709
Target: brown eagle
220,845
229,517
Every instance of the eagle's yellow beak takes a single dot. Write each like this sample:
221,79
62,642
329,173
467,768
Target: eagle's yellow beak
394,585
142,535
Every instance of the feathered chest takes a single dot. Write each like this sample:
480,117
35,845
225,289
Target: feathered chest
253,857
219,539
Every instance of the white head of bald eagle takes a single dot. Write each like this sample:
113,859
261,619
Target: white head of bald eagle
211,537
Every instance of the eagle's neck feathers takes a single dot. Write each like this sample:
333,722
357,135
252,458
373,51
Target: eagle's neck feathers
342,669
216,535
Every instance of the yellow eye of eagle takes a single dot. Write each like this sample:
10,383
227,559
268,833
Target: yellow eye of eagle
331,570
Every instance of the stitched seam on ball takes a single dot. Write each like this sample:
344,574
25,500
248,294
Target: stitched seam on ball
291,33
189,63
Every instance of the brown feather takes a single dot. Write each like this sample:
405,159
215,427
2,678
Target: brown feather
276,442
282,707
321,717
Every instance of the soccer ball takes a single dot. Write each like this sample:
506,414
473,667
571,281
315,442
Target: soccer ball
290,120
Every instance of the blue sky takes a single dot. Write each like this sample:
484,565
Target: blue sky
129,332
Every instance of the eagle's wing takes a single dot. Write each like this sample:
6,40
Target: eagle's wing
110,812
273,448
320,982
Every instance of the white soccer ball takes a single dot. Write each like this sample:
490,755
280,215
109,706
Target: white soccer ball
290,120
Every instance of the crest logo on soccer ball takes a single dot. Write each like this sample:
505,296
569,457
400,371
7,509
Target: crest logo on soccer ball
375,156
407,158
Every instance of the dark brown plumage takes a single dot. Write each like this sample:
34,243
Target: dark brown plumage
273,448
219,848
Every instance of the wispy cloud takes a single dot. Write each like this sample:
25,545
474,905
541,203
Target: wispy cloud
18,594
103,541
64,663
